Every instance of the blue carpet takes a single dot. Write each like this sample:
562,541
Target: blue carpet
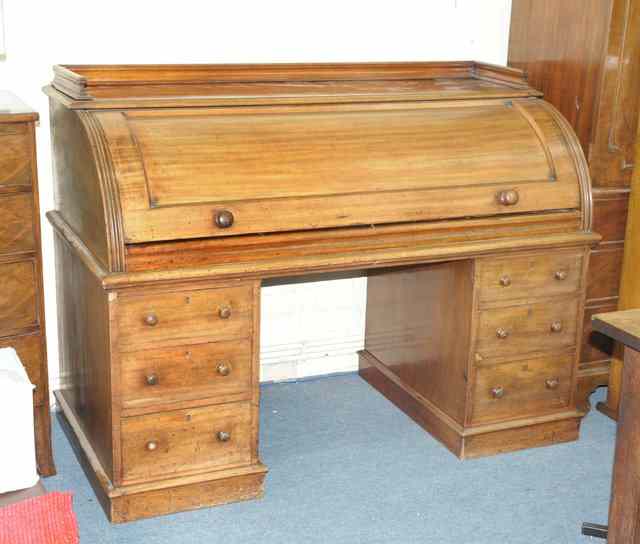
346,466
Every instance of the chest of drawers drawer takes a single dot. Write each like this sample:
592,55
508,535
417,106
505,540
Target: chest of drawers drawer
157,376
16,227
529,387
514,330
29,349
15,156
18,296
191,440
539,275
171,318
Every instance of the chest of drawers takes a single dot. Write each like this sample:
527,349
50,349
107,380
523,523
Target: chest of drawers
180,189
22,324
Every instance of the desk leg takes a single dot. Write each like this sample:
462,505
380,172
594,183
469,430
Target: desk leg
624,512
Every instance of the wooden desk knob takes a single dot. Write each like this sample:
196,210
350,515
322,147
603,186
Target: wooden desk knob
502,333
223,369
552,383
497,392
224,436
560,275
224,219
509,197
556,326
151,320
152,379
224,312
151,445
505,281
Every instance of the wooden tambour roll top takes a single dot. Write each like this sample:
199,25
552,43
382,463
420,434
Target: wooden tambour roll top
155,154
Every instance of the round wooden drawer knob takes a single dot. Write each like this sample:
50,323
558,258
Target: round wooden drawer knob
556,326
502,333
152,379
224,312
223,369
505,281
151,320
224,219
552,383
497,392
152,445
560,275
224,436
509,197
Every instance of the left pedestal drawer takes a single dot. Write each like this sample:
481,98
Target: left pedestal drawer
160,445
156,377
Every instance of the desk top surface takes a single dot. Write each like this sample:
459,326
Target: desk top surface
623,326
124,86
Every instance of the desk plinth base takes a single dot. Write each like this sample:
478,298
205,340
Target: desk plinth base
160,497
479,441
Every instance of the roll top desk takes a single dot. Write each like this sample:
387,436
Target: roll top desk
180,189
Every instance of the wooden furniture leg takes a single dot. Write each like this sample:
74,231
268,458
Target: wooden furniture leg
624,522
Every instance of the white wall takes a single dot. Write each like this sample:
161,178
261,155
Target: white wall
307,328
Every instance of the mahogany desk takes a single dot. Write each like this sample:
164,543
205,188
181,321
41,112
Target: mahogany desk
180,189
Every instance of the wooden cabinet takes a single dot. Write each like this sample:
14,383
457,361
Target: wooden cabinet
469,357
22,324
461,194
584,55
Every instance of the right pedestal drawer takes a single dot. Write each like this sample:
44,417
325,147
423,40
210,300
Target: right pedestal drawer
523,388
523,277
527,328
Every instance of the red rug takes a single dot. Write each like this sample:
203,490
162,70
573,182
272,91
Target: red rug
48,519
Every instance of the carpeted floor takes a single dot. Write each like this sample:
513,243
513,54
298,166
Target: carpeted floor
347,467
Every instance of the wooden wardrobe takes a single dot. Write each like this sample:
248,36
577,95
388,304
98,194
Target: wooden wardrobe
584,55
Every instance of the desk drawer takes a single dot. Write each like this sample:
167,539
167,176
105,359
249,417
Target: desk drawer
513,330
195,439
541,275
16,227
171,318
525,388
186,372
17,296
